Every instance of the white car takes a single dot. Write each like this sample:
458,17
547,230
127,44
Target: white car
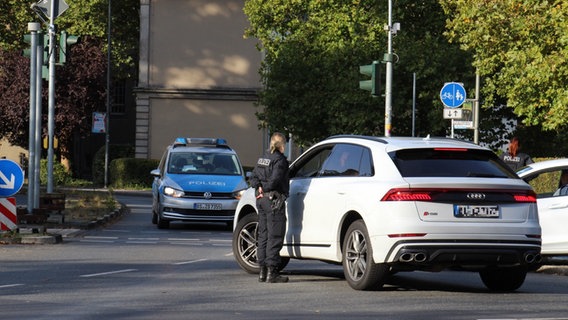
403,204
552,201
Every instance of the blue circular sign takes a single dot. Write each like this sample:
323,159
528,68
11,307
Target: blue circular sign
11,178
453,94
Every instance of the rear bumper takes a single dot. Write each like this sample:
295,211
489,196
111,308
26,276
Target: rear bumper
417,255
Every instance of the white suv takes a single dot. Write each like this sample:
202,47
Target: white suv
381,205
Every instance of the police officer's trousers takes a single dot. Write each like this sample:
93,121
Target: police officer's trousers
271,231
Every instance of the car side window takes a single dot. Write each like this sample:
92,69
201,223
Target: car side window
348,160
550,184
311,165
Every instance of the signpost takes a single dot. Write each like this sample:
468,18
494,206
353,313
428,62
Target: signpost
453,95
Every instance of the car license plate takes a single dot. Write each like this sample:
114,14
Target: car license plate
208,206
467,211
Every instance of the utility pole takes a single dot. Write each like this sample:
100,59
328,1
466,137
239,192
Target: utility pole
388,82
51,101
33,27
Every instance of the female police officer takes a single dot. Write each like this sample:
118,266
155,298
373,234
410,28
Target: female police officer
271,182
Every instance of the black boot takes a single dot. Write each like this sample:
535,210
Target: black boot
274,276
262,274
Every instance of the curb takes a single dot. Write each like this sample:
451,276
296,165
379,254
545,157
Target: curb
41,235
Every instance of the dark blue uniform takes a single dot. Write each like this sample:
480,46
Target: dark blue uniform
271,173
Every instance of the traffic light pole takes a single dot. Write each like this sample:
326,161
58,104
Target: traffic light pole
51,103
388,81
33,27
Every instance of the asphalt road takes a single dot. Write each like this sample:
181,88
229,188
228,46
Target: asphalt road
132,270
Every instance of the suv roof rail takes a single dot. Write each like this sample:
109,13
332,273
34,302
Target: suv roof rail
378,139
217,142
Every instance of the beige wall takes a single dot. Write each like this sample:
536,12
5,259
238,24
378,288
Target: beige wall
200,44
10,152
198,76
204,119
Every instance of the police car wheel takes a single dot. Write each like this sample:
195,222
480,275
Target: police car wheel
162,224
154,217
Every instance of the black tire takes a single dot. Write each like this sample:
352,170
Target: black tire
162,223
154,217
245,244
503,279
359,269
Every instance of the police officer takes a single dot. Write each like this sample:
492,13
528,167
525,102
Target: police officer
271,182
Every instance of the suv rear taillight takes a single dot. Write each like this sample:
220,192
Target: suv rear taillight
407,195
460,195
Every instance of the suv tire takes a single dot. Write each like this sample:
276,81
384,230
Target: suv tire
245,244
358,266
503,279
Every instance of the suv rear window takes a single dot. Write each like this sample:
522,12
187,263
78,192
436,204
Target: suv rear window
450,162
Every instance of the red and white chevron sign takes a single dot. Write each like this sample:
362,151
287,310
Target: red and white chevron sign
8,214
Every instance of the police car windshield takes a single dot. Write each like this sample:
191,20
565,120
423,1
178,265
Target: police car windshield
203,163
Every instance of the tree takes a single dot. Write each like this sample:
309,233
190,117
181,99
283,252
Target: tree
519,48
80,83
313,50
80,90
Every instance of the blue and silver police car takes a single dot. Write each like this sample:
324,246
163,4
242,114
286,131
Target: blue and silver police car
198,179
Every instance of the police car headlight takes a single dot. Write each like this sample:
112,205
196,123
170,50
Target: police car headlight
238,194
169,191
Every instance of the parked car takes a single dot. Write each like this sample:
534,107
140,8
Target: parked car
198,179
403,204
552,199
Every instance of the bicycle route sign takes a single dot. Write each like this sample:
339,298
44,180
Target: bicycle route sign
453,94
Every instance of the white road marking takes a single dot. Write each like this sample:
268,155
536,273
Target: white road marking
106,273
11,285
188,262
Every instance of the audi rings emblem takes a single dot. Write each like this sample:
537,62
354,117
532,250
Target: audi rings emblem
207,195
476,196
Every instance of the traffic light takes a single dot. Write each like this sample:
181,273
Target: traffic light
28,40
66,40
374,71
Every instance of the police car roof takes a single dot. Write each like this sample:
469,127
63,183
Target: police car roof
204,142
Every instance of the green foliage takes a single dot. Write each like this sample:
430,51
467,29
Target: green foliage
114,152
313,50
60,175
86,18
132,173
520,48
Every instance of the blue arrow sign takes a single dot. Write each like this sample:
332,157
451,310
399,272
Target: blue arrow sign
453,94
11,178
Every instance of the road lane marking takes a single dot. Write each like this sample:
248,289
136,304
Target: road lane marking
189,262
100,238
106,273
11,285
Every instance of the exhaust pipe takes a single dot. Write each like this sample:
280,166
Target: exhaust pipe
420,257
406,257
413,257
533,258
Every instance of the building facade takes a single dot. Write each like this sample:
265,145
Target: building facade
198,77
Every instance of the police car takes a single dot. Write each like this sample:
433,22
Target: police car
198,179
